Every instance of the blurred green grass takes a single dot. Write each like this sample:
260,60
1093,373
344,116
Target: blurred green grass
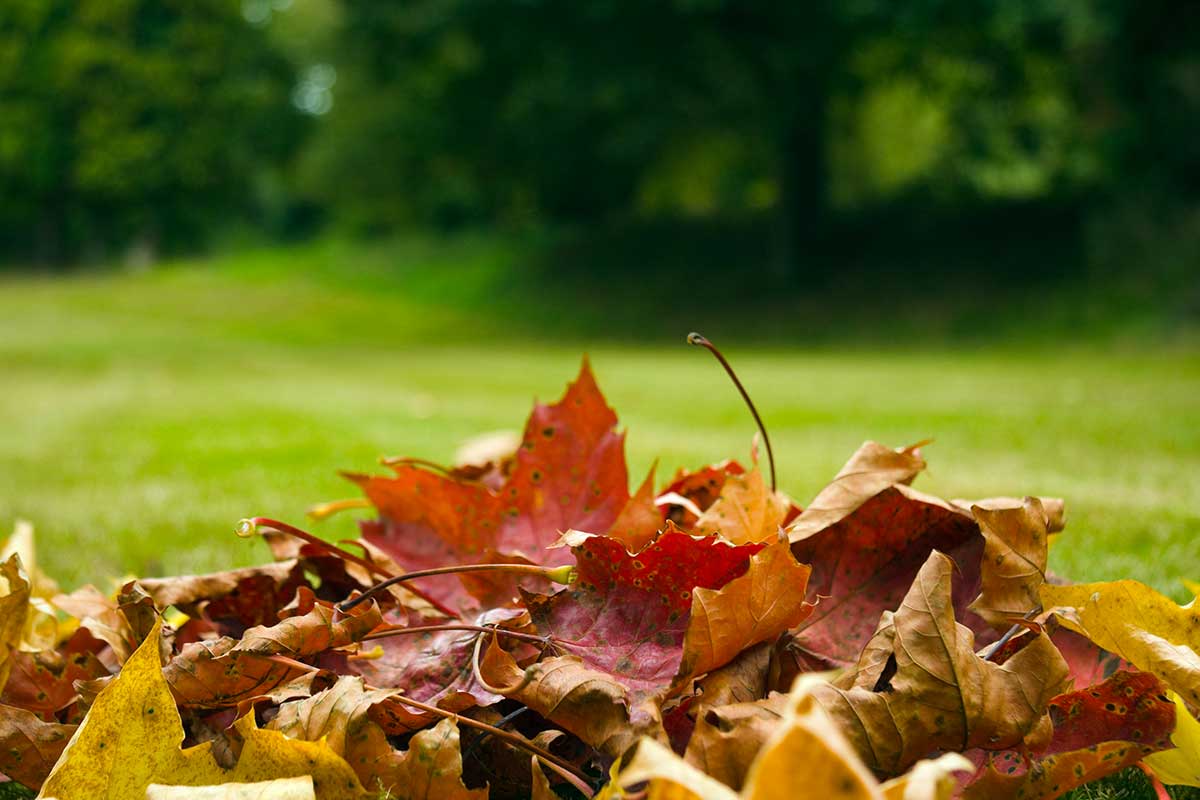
145,413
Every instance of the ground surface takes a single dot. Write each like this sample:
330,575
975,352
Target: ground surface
144,414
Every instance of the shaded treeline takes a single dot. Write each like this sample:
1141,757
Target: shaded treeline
797,140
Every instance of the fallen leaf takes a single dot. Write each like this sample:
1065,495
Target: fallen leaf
872,469
234,600
318,627
942,696
300,788
864,563
1181,766
434,668
29,746
130,738
432,767
14,611
627,614
340,717
1137,623
569,473
753,608
1097,731
640,520
1013,567
745,511
727,738
587,702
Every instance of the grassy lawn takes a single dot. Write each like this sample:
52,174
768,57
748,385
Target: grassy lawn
144,414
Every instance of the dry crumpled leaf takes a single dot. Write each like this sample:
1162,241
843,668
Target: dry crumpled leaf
1137,623
29,746
1013,567
41,625
339,716
806,750
753,608
727,738
1181,766
1096,732
14,611
745,511
131,736
942,696
864,563
300,788
432,767
869,471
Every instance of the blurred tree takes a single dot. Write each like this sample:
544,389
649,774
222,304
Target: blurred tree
133,121
581,112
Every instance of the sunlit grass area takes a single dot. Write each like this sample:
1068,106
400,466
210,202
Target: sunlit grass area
145,413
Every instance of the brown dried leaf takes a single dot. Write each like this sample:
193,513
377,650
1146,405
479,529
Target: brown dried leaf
942,695
1013,567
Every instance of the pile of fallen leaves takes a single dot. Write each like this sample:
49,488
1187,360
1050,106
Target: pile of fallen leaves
703,639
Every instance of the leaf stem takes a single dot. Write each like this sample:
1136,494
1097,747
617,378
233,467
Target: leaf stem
701,341
248,527
556,574
400,630
323,510
552,761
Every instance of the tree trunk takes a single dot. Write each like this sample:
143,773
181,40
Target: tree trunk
803,188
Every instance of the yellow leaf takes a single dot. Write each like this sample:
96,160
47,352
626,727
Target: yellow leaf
131,735
932,779
1137,623
41,626
300,788
745,511
1180,766
14,611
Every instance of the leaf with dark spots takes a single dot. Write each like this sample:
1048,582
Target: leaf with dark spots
942,695
434,668
700,489
44,682
627,614
429,520
231,601
864,563
212,675
320,628
29,746
1097,731
570,473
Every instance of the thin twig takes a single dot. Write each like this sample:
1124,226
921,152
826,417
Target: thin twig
552,761
700,340
558,575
